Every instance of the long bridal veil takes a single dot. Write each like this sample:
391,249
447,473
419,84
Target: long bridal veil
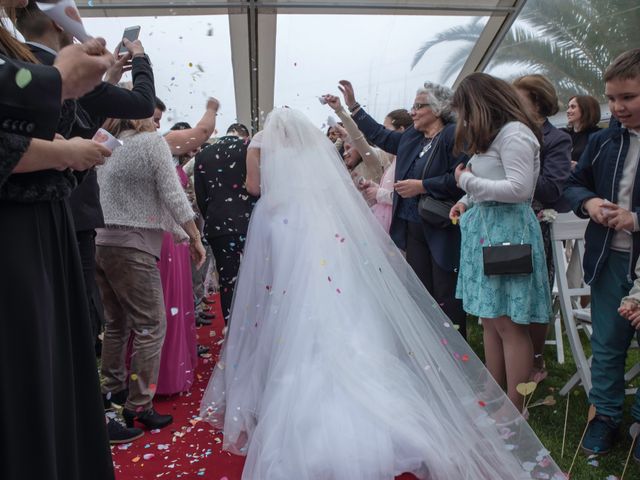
338,364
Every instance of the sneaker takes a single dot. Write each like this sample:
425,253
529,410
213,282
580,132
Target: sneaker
600,435
202,350
119,434
149,418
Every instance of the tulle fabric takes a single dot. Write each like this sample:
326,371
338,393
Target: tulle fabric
338,365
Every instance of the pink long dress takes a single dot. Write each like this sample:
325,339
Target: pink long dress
382,209
179,355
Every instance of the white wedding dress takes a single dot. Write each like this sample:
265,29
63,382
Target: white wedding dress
338,365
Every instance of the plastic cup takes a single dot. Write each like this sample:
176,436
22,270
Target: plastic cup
106,139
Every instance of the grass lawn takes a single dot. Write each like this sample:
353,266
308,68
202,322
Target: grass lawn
548,421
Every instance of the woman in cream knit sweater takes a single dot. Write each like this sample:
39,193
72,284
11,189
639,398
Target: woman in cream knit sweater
141,197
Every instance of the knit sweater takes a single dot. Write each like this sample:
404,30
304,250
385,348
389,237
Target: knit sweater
139,186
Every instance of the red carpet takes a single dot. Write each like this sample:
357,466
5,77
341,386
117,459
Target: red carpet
187,449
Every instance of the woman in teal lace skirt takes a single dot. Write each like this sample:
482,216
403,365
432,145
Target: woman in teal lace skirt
500,179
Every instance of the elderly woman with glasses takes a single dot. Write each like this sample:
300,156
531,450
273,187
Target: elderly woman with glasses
425,166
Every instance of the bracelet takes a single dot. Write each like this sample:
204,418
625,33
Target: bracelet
353,107
195,239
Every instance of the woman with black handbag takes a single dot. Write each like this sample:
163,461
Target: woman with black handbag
424,172
503,273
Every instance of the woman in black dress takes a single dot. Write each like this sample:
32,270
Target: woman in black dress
583,115
52,423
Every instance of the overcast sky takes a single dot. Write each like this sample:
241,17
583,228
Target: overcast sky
192,59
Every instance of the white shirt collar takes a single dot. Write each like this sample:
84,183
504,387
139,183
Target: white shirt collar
43,47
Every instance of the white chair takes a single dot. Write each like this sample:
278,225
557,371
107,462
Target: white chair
557,340
567,233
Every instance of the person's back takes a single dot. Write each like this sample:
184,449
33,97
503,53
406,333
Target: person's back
219,175
226,206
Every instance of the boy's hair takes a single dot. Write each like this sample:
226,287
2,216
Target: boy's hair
160,105
181,126
238,128
626,66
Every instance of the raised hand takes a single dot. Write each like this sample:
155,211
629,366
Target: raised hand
347,92
333,101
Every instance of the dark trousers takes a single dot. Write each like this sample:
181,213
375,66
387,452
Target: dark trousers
227,250
440,283
87,247
610,340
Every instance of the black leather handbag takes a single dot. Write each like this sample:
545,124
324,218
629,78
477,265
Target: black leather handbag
433,212
507,259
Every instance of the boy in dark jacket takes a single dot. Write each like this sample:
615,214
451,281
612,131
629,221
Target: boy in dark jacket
605,188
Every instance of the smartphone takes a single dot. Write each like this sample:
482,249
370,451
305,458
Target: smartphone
131,34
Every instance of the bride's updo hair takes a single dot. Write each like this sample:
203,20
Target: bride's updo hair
286,123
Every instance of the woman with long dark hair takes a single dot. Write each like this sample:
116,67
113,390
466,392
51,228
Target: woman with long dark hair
500,178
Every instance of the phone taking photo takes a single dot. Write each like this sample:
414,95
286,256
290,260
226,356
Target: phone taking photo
131,34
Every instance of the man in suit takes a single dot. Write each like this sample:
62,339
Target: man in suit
219,176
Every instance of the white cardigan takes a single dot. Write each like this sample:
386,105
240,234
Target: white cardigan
507,172
140,188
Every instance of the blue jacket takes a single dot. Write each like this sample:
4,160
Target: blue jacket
439,181
598,174
555,168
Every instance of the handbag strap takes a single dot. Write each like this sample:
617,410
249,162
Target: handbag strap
524,230
426,149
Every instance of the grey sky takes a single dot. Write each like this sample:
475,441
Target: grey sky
192,59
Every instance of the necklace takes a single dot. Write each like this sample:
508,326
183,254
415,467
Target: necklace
427,147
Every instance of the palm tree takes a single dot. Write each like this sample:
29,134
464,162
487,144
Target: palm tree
570,41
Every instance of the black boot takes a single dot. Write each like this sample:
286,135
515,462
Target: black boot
120,434
149,418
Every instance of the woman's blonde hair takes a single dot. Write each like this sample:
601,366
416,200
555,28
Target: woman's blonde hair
115,126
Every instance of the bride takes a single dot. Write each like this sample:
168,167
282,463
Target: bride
338,365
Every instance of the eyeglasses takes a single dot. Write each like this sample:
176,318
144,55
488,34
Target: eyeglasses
417,106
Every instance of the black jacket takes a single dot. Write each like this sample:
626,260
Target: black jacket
89,113
439,181
219,181
34,109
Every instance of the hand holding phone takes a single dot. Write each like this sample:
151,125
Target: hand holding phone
131,34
